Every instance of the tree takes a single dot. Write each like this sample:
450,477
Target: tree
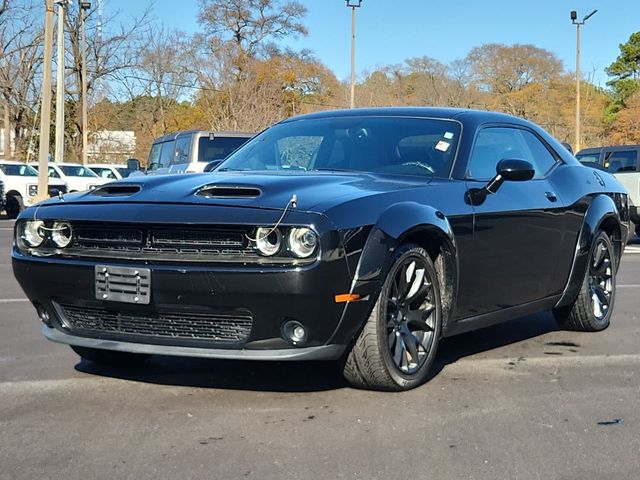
245,28
625,71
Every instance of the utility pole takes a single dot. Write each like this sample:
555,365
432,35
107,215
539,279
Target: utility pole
574,17
84,7
60,85
45,109
353,4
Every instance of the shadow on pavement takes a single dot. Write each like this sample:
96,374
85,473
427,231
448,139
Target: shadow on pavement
306,376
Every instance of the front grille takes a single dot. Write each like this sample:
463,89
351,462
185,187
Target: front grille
231,329
157,242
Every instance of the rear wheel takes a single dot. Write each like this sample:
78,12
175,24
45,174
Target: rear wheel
109,357
14,206
591,312
398,344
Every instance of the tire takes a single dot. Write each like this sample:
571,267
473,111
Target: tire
592,309
14,206
109,357
381,358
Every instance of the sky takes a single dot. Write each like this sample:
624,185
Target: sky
390,31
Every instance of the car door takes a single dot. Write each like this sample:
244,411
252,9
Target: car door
512,257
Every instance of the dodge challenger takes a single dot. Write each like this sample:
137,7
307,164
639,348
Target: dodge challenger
363,236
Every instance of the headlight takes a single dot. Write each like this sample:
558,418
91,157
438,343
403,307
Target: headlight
268,240
61,234
33,232
302,242
33,190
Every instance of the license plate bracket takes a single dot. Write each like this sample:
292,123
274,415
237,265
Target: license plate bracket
123,284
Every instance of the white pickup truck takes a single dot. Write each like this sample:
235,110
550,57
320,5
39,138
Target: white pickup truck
623,161
21,186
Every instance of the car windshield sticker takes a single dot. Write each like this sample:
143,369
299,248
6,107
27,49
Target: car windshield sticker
448,135
442,146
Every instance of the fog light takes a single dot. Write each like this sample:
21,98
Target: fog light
44,315
295,332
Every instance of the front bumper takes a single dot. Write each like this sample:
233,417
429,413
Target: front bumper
271,295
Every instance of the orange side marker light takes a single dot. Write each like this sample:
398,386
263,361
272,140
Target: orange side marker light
347,297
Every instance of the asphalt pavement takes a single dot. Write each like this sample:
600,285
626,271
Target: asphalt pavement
520,400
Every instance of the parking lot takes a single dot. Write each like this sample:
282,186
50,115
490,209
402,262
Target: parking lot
521,400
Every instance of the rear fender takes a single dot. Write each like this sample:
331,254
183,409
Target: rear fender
601,214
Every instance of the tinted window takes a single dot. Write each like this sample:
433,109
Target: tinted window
53,173
621,161
19,170
183,147
218,148
588,158
103,172
161,155
77,171
495,144
392,145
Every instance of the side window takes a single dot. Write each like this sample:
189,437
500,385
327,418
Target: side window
166,154
541,158
497,143
183,147
53,173
154,156
621,161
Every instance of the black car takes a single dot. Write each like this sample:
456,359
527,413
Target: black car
362,236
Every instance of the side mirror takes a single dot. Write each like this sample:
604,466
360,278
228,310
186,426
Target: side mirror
212,165
510,169
133,164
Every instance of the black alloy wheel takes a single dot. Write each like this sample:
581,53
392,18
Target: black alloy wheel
601,279
397,346
410,312
592,309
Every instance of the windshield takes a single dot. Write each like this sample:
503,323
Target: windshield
393,145
19,170
76,171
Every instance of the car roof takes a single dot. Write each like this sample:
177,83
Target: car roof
172,136
481,116
12,162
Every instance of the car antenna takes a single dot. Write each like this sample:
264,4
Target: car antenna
293,203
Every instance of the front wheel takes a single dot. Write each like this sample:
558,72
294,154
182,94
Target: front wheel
592,309
14,206
397,346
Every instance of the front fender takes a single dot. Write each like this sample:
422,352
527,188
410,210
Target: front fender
394,225
601,214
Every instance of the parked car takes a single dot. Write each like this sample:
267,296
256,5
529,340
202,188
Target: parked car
190,151
364,236
78,177
21,186
112,171
622,162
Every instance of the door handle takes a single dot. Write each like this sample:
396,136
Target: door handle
552,197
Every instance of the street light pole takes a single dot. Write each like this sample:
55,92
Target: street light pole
45,108
60,85
84,6
574,17
353,4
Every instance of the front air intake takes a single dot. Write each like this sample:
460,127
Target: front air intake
226,191
116,190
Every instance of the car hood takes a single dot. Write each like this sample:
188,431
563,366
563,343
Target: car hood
314,191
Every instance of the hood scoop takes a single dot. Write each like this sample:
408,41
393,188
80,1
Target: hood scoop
228,191
116,190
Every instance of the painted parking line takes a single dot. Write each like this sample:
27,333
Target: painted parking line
14,300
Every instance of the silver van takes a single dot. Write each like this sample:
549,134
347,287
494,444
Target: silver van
191,150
